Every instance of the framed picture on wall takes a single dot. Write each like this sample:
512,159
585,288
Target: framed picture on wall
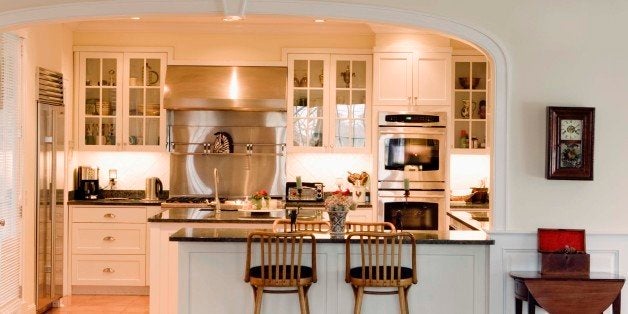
570,143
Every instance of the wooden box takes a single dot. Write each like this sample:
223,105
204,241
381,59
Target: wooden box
563,252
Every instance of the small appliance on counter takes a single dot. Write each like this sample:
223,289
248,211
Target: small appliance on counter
154,187
310,192
87,183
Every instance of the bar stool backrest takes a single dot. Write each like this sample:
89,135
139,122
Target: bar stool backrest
318,226
355,226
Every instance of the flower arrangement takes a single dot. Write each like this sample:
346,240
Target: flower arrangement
261,194
340,200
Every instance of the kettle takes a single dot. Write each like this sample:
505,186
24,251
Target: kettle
153,188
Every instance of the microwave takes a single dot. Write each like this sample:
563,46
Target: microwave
310,192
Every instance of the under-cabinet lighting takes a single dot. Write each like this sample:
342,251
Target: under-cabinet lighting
136,18
319,21
232,18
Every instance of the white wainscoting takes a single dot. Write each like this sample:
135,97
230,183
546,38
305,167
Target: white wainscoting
517,252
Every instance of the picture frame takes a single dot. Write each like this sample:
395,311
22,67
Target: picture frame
570,136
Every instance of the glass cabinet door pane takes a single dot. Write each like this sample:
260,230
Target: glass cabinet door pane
136,72
461,100
108,75
109,102
92,72
463,71
479,73
478,100
153,102
300,73
478,133
108,135
342,104
316,74
92,101
299,132
92,131
359,134
343,74
316,132
316,103
153,77
136,131
152,131
358,79
358,103
300,103
136,101
343,133
461,134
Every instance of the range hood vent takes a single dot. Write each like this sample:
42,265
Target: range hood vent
239,88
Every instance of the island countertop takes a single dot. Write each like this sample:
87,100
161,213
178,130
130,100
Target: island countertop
240,235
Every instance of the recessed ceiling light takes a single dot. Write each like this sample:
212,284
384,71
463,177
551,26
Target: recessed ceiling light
232,18
319,21
135,18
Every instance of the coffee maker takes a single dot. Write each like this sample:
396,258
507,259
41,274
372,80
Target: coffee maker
87,185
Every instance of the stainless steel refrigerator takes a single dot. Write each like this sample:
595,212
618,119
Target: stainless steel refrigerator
50,189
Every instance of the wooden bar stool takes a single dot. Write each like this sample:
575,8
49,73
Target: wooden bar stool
280,257
381,255
354,226
318,226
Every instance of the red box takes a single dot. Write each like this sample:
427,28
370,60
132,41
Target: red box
556,260
555,240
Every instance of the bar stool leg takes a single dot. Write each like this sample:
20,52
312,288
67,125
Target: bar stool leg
303,301
258,299
358,300
402,301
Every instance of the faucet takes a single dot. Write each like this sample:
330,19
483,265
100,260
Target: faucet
216,199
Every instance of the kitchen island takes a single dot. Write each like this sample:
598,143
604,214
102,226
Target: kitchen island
211,268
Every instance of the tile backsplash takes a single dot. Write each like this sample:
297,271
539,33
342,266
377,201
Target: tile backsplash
325,168
133,167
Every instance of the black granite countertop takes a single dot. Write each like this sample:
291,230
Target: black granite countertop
117,202
292,204
240,235
203,215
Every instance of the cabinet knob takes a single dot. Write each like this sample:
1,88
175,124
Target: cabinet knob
409,100
109,238
2,222
109,215
108,270
416,101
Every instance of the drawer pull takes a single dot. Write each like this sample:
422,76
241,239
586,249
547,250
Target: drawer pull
110,215
109,238
108,270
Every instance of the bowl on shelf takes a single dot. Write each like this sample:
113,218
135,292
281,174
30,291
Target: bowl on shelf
464,82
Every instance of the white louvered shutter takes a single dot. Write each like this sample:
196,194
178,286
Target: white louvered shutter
10,174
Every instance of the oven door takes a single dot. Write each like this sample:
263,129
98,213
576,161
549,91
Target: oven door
410,152
423,211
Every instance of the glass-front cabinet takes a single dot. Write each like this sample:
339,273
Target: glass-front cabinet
471,109
120,100
329,102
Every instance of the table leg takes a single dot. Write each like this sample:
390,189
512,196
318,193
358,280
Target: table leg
531,304
617,304
518,306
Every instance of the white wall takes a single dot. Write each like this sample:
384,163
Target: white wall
49,47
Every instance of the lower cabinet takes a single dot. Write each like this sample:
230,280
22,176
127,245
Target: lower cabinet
109,247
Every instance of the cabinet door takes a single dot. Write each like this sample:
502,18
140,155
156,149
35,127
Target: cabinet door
432,79
144,116
308,97
392,83
99,100
350,103
470,109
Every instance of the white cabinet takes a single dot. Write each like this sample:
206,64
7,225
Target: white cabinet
329,102
120,100
109,245
471,104
412,79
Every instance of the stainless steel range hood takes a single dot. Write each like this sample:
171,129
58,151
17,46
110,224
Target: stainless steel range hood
240,88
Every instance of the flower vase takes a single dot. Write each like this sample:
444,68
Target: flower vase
337,216
257,203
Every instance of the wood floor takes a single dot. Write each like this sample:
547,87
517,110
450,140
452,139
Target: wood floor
103,304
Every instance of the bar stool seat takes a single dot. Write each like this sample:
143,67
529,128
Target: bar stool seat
357,273
277,272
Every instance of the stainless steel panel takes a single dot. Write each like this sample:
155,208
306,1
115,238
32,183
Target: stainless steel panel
258,160
225,88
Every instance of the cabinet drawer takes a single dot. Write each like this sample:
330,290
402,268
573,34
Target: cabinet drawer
135,214
109,270
104,238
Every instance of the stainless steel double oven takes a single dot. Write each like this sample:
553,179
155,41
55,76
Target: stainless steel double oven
412,146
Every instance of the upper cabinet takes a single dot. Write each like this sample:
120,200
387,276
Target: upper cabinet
412,79
329,102
120,101
470,109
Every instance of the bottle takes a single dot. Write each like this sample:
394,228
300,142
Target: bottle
464,139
